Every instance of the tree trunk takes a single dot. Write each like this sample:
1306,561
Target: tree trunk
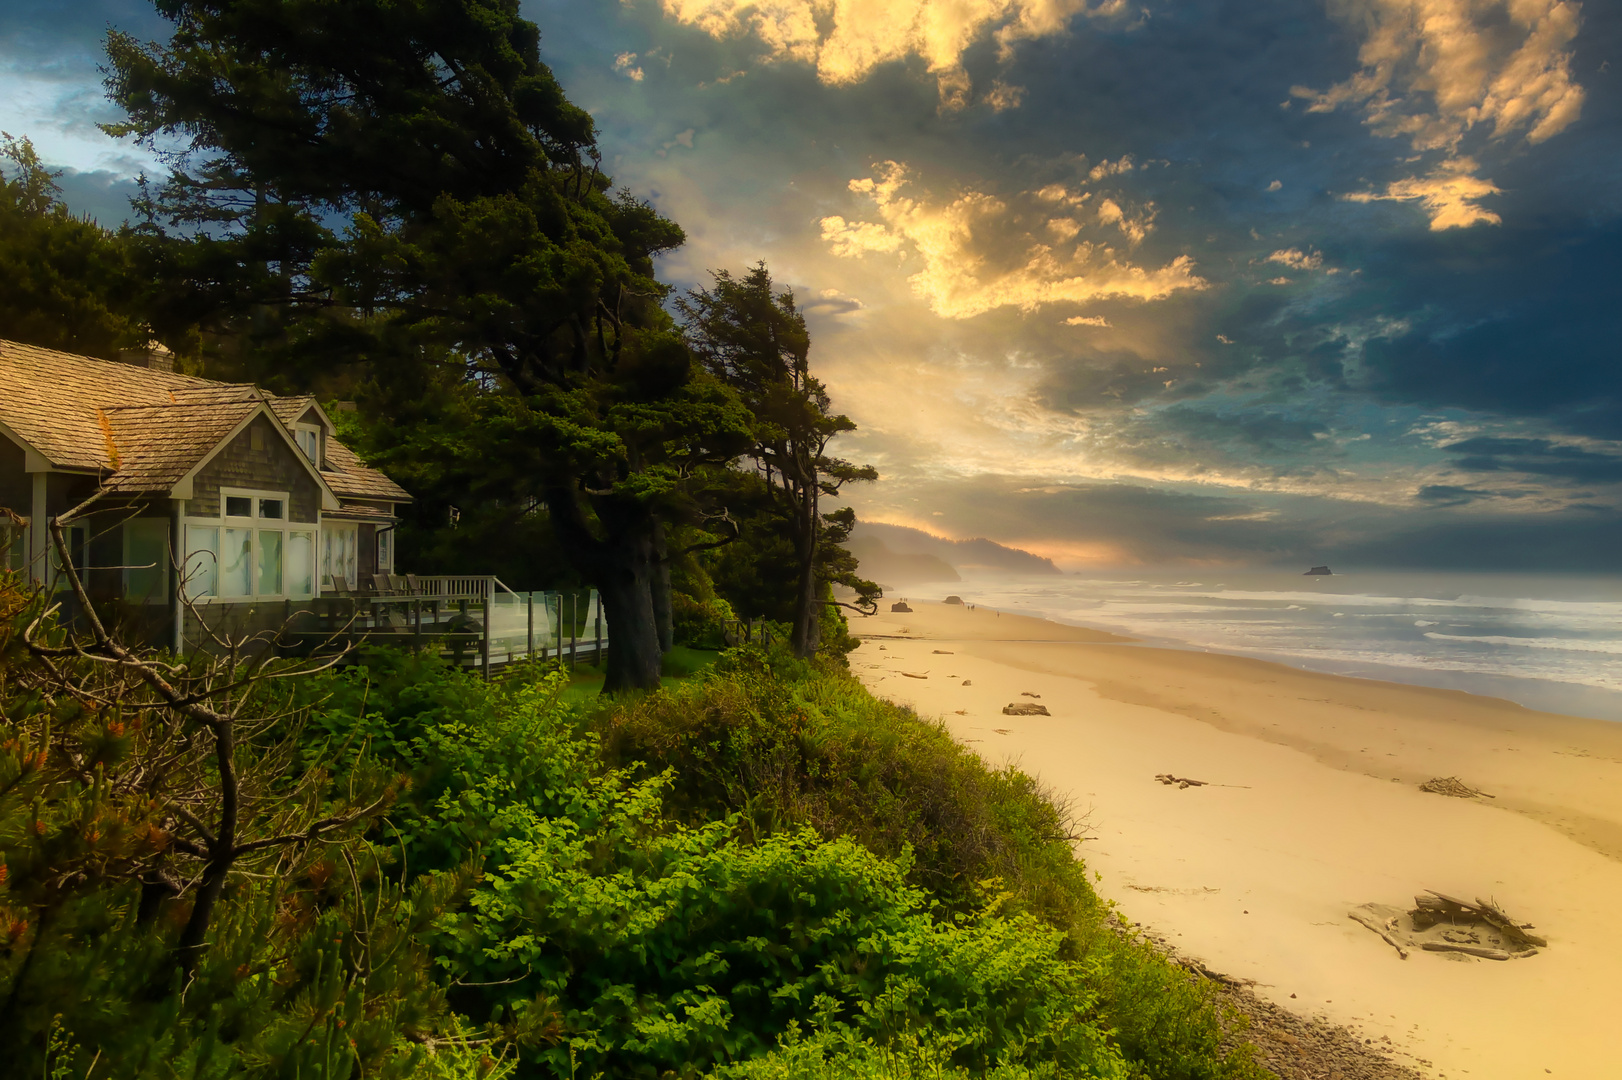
633,637
663,618
807,604
621,565
222,852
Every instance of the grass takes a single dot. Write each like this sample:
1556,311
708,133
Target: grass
680,664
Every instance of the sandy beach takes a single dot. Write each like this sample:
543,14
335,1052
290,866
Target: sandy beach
1311,807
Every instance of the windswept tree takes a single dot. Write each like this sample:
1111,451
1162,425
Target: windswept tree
401,187
755,341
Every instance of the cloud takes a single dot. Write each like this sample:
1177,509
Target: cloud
846,39
1276,185
831,302
1450,193
1002,97
980,252
1432,70
1538,457
1435,72
625,64
1296,259
1110,168
1086,320
1450,495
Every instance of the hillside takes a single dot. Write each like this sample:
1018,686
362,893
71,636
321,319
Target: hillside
975,554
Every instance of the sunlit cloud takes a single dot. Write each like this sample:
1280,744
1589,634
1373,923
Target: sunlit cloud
625,64
1086,320
1434,69
1296,259
846,39
980,252
1450,193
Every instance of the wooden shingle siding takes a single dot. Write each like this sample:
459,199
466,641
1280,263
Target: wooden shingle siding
274,466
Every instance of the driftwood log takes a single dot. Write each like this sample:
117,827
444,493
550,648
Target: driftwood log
1180,781
1025,708
1435,907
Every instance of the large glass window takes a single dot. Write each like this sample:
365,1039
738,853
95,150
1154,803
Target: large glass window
258,552
236,563
201,576
301,563
338,551
146,560
385,550
270,562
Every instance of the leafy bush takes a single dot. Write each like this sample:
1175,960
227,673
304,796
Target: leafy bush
700,623
763,872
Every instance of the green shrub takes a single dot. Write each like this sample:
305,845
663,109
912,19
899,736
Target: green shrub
700,623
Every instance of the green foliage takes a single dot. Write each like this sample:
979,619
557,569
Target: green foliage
68,283
759,872
755,340
701,623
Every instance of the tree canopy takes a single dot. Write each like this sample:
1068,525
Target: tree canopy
401,187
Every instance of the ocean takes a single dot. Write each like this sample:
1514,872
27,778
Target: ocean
1548,641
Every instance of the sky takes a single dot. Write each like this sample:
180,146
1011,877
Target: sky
1191,283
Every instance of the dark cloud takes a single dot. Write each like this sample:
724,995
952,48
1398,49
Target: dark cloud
1450,495
1537,457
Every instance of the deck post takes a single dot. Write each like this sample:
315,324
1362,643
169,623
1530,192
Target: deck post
574,620
489,610
597,610
416,624
529,621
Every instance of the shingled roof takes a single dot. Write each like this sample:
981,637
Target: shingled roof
144,429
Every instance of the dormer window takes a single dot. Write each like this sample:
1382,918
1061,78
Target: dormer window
309,440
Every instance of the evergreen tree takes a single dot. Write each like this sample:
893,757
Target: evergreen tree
401,186
67,283
755,340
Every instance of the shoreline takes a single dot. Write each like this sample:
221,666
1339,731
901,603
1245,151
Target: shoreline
1311,807
1544,694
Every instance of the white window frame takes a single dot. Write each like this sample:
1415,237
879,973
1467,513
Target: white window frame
255,524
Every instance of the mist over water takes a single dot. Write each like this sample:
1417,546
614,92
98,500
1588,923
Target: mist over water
1548,641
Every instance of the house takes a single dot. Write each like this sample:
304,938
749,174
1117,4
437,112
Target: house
262,504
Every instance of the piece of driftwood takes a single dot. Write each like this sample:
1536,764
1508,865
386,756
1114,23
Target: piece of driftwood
942,652
1476,950
1025,708
1452,785
911,675
1027,693
1435,907
1180,781
1385,927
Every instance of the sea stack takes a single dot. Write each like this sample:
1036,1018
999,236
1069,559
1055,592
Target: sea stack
1317,571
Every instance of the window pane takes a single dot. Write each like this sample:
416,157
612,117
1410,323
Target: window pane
309,442
270,508
236,563
300,564
146,559
270,563
238,506
385,550
202,562
351,547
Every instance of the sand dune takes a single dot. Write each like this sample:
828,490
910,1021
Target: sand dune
1312,807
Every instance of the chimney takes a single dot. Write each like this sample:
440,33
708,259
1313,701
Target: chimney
151,355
